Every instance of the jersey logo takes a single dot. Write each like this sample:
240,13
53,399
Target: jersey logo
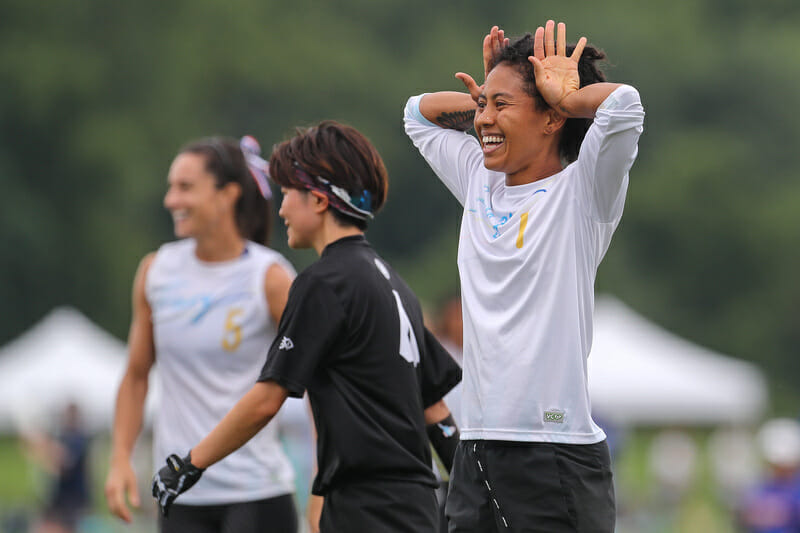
447,431
554,416
286,344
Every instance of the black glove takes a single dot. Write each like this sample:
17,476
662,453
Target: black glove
174,479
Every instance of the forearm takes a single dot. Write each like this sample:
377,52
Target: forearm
128,416
584,102
243,421
449,109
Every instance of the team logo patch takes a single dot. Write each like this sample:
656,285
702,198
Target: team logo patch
554,416
286,344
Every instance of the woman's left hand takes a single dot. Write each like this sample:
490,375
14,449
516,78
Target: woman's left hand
556,74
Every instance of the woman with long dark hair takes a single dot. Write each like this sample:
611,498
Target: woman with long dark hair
205,308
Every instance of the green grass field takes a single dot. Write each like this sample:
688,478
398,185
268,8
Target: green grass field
23,490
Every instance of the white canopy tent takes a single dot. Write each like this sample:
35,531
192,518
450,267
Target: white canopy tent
63,358
639,373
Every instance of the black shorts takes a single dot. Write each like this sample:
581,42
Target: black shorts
274,515
385,507
532,487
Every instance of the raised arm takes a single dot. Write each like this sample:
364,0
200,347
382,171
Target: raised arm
449,109
129,411
454,110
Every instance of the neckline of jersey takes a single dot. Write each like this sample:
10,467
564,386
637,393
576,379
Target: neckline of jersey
215,265
354,239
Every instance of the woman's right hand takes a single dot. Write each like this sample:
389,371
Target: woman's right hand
121,484
493,44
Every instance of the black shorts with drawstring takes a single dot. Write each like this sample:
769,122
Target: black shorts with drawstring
509,486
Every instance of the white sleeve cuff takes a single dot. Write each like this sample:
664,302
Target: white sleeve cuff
623,97
412,111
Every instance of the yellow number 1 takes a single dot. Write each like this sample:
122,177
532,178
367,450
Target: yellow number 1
523,221
232,337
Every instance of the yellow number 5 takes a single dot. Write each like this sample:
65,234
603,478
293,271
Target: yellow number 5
232,337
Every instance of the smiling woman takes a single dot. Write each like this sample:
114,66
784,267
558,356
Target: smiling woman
205,307
543,188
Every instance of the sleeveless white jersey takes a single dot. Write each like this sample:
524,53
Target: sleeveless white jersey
212,331
527,259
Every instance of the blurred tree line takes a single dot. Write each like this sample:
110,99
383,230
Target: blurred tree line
98,96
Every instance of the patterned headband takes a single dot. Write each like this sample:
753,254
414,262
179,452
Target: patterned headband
359,207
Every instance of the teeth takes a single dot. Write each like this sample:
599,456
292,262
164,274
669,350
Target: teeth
492,139
179,215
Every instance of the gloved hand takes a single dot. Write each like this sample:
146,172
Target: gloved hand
174,479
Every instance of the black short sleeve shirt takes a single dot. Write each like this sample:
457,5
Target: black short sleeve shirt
352,335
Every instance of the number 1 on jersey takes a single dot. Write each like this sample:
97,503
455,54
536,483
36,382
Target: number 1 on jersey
523,222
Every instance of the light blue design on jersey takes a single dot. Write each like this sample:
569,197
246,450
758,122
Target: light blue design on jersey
495,221
204,302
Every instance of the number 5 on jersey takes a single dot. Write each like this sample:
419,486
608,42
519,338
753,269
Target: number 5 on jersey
232,337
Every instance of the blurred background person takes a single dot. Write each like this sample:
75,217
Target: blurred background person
773,504
206,307
65,457
449,326
673,459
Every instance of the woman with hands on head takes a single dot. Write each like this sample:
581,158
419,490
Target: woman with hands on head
206,307
543,188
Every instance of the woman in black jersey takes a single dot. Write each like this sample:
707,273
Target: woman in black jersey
352,335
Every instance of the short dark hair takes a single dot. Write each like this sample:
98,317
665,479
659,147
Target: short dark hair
574,130
341,155
226,162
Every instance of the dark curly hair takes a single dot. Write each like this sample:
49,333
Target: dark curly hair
516,55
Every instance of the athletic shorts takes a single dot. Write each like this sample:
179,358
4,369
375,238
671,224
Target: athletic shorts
383,506
531,486
273,515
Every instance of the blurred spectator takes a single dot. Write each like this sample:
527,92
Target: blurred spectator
773,505
449,331
65,458
449,327
734,462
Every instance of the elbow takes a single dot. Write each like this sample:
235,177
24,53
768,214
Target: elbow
265,402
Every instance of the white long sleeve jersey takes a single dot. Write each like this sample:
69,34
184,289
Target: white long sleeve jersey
527,258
